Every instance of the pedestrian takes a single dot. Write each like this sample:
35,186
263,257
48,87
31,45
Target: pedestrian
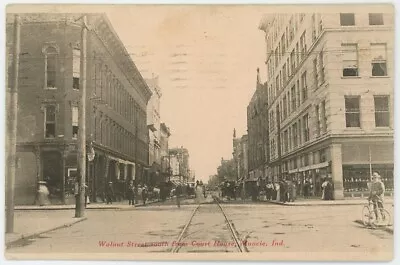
283,190
376,195
294,191
306,189
178,193
42,194
131,193
325,190
86,195
144,194
110,193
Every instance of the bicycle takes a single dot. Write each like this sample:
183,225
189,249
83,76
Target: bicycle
369,218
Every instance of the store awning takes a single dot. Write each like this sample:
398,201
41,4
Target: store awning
316,166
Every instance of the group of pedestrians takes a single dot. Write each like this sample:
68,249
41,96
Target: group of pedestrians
133,193
283,191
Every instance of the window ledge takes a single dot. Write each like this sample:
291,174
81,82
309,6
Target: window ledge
351,77
383,76
50,88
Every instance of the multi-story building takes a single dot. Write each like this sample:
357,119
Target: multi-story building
240,157
154,125
182,156
165,133
330,96
257,128
49,83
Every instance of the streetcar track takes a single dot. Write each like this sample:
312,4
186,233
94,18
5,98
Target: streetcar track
233,233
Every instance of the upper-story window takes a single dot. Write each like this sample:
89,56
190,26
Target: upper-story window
76,67
50,121
303,45
347,19
306,130
382,113
350,60
375,18
50,54
75,126
352,106
304,85
378,56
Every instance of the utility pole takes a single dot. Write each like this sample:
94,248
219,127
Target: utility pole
80,202
12,130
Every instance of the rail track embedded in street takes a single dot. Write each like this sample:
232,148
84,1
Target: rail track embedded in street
201,233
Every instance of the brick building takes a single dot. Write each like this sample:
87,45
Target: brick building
48,110
154,125
330,96
257,129
165,133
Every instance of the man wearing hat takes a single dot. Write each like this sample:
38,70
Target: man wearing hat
376,194
109,193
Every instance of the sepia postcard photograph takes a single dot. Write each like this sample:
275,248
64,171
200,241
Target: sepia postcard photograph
199,132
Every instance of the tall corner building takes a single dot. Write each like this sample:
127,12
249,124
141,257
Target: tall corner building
330,97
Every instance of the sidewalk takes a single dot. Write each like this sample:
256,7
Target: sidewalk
91,206
30,224
319,202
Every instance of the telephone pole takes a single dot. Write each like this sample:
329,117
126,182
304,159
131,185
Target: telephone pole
80,202
12,129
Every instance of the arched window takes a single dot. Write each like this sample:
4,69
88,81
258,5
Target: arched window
50,54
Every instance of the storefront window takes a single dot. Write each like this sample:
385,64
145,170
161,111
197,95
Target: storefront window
357,177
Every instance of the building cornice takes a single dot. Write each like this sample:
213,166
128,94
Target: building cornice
105,32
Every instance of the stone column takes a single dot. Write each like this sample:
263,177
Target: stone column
337,170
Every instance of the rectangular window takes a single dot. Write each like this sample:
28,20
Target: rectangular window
293,93
318,121
315,69
75,119
298,98
50,121
322,155
304,85
306,130
382,114
297,54
303,45
294,130
378,56
284,74
347,19
292,61
286,140
323,116
314,32
277,84
350,60
283,41
51,70
375,18
284,107
76,66
352,106
321,66
299,131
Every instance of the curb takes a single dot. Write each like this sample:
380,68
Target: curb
89,207
383,228
316,204
36,234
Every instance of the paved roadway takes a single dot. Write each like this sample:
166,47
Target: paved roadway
265,227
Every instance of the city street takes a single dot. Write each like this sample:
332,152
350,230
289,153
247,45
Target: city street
265,227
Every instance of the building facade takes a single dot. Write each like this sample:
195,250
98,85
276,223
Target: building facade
165,133
257,128
330,97
49,81
181,155
154,125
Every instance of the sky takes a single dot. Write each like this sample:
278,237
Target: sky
206,59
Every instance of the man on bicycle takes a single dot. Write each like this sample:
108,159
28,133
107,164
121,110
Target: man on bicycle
376,194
